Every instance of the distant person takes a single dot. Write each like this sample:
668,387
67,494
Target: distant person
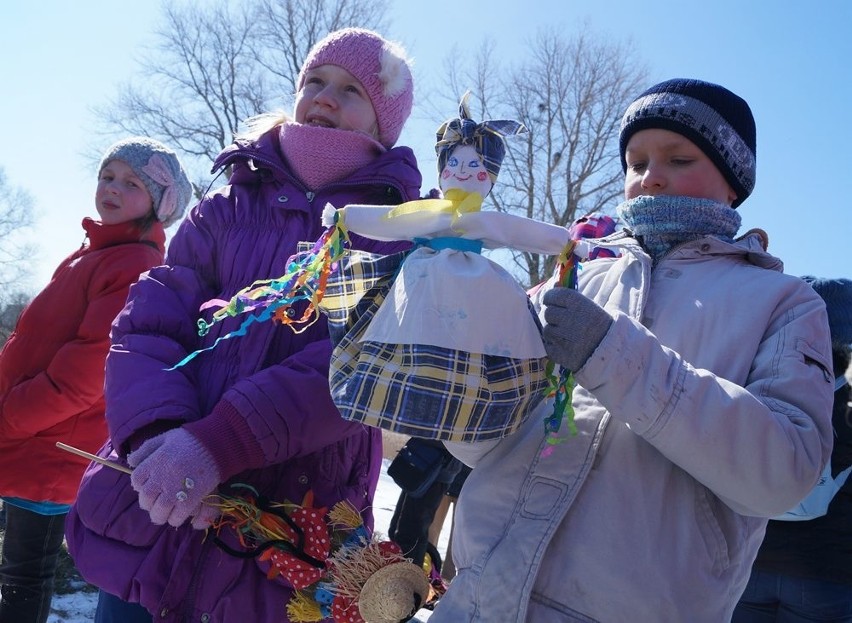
447,569
803,570
702,404
424,470
255,410
52,366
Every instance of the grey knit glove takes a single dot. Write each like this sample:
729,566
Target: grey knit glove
575,326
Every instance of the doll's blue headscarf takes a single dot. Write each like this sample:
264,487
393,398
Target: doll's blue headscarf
487,138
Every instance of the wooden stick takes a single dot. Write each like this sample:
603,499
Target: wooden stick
93,457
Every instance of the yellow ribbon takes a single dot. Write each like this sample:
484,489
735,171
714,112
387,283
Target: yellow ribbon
456,202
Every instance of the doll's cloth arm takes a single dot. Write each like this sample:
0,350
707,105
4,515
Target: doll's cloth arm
374,222
499,229
494,229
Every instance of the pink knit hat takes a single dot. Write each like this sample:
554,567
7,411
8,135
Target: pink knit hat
381,66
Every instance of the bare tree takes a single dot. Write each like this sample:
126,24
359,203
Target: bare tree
10,310
287,30
570,93
214,64
16,216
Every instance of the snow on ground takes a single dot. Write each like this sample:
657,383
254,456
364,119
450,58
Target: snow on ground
80,607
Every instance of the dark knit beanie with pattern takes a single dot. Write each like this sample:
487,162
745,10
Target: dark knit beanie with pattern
719,122
837,294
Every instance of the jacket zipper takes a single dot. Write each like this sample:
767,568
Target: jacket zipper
191,590
310,195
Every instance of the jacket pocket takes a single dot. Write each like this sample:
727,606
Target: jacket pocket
812,356
108,506
713,535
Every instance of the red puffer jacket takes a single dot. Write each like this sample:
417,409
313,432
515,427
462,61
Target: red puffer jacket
52,366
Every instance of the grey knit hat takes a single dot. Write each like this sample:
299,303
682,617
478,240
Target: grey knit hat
837,294
718,121
159,169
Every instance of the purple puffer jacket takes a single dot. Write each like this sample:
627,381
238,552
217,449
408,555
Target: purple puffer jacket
266,393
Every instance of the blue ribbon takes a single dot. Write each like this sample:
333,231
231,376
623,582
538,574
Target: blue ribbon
450,242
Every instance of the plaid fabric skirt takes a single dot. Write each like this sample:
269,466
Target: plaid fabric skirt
418,389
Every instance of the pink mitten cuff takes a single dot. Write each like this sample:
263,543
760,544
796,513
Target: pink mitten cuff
229,439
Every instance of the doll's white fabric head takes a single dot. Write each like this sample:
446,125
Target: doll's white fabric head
459,140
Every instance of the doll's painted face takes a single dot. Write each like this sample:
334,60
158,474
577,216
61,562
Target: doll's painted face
466,171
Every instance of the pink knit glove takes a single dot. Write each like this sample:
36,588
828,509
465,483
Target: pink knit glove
173,473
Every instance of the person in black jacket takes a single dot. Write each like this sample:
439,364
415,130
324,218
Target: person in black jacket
424,470
803,570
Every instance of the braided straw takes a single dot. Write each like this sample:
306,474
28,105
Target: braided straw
393,593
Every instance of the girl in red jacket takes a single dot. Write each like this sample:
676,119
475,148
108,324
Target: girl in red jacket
52,366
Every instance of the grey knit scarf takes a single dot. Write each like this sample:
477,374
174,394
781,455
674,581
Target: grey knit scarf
660,223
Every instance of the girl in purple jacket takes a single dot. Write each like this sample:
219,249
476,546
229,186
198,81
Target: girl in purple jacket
256,410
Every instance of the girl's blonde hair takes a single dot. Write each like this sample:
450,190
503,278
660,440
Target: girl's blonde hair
262,123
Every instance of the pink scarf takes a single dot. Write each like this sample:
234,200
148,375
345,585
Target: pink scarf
319,156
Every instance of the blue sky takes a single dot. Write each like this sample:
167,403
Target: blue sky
789,60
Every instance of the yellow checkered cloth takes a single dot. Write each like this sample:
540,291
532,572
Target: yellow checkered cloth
415,389
360,278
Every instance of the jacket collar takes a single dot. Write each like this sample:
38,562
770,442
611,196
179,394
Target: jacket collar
101,235
258,158
751,246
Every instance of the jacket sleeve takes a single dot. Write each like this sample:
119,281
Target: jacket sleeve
155,330
74,379
759,446
283,411
278,412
